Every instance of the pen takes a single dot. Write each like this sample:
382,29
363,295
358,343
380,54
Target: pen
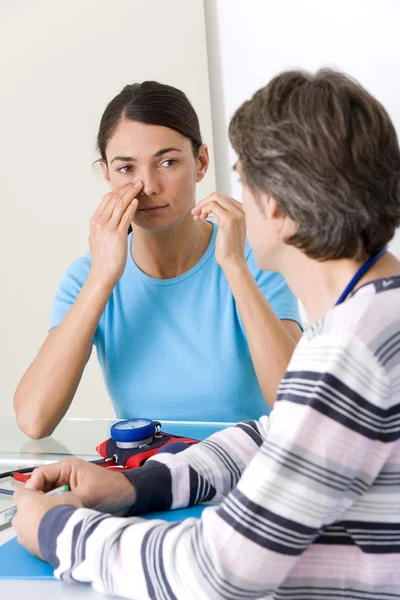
59,490
8,515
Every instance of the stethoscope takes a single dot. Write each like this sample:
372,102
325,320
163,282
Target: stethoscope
129,433
360,273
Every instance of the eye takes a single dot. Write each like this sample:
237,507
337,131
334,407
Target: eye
125,169
170,162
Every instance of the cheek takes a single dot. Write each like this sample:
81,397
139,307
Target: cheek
117,180
253,226
254,222
181,188
250,208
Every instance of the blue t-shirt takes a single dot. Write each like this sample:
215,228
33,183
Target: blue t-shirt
176,349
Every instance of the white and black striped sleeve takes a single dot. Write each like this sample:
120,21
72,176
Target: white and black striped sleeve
330,435
202,473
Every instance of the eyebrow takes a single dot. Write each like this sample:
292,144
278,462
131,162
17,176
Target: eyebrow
156,155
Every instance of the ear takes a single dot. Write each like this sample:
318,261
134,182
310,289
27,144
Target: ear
106,175
269,207
266,205
203,160
273,210
284,224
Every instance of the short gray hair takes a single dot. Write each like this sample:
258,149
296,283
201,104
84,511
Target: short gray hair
328,153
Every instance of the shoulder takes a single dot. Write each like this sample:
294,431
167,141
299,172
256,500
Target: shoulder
80,267
371,316
77,272
339,376
69,288
358,343
374,315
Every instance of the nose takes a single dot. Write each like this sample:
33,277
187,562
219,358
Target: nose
151,183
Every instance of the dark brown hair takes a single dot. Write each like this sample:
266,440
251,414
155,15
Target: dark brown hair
328,153
152,103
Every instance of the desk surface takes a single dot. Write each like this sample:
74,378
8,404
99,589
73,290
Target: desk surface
77,437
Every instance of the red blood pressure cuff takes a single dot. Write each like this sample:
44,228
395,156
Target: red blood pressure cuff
131,458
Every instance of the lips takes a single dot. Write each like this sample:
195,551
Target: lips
151,209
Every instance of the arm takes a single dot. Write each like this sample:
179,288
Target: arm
266,520
271,340
204,472
45,392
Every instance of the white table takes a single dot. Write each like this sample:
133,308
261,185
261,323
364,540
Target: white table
78,437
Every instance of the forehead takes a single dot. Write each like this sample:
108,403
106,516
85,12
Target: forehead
139,139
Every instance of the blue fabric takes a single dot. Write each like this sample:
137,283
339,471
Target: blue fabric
18,563
173,349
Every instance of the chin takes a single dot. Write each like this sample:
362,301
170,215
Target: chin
265,259
155,225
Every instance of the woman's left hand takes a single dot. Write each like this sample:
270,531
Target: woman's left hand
31,508
231,237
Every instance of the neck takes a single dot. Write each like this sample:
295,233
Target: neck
318,285
168,254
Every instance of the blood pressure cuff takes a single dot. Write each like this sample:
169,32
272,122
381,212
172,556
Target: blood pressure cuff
132,458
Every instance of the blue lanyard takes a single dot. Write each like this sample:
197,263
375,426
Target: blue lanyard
360,273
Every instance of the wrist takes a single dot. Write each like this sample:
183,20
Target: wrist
128,493
52,522
101,282
234,267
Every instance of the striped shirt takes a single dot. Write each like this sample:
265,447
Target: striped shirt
309,497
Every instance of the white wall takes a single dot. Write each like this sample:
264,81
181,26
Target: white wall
61,61
251,41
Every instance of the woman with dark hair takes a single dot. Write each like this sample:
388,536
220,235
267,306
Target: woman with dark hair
183,321
310,498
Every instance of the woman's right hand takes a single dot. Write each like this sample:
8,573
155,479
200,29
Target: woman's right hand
95,486
108,232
